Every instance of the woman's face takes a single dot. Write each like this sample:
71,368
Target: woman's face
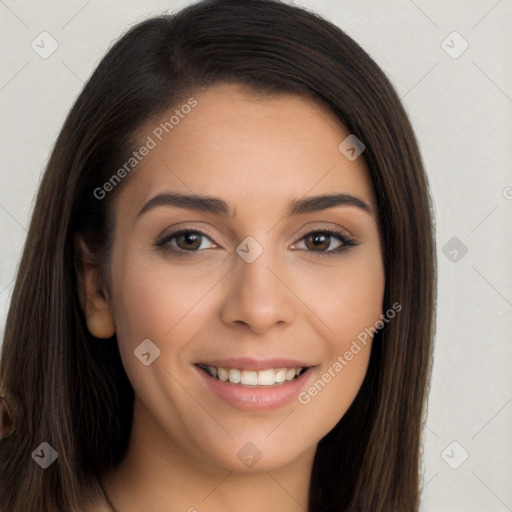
253,288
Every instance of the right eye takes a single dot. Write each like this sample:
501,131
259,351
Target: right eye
184,241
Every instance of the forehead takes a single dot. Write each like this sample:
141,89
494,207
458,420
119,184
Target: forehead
247,148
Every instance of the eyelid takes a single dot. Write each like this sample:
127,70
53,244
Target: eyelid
334,230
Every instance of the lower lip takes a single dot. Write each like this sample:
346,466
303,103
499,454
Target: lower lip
256,397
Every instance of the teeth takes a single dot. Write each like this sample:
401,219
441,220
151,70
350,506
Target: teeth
281,375
234,376
222,374
290,374
268,377
249,378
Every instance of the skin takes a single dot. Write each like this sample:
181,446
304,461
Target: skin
258,153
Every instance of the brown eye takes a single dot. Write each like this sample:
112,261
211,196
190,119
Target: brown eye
318,241
185,241
325,242
189,240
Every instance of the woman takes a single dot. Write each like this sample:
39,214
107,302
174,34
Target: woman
226,297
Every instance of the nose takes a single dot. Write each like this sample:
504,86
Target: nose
259,295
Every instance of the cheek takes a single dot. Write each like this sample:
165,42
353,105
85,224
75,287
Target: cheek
349,304
152,298
158,302
166,306
356,302
332,390
346,296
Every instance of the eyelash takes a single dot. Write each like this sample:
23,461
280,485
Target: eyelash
348,243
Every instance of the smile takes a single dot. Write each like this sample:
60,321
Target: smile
264,377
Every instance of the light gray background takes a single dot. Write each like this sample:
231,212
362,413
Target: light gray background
461,109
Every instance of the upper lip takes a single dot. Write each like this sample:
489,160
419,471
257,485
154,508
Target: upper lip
250,363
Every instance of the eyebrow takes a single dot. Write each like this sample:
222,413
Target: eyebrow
220,207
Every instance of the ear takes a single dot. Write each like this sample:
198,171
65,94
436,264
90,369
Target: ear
93,300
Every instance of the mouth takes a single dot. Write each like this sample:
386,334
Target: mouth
255,384
265,378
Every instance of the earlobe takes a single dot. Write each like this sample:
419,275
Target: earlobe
101,324
99,318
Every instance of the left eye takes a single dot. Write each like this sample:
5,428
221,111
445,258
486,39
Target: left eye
321,241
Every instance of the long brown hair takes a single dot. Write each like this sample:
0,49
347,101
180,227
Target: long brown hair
69,390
